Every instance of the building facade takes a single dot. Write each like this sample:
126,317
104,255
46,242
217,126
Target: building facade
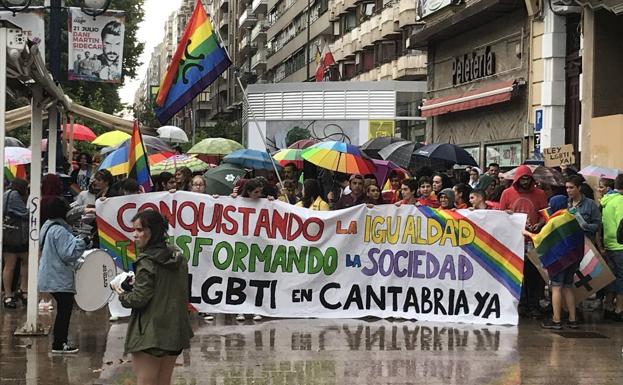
478,69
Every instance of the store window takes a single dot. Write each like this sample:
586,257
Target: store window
474,151
507,155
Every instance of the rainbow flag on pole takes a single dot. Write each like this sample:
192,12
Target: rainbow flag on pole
137,160
560,243
198,61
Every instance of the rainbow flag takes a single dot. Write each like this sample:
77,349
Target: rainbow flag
137,160
560,243
12,171
498,260
120,247
198,61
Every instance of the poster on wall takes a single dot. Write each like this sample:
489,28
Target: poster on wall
504,154
380,128
96,46
32,24
273,259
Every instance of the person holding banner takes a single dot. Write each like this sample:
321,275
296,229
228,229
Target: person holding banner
356,196
477,200
159,327
183,178
312,199
409,190
446,199
427,195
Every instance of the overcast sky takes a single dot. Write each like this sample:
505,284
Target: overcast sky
151,32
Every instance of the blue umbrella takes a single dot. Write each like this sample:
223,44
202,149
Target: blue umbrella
116,161
254,159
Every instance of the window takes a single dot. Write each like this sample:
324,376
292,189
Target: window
505,154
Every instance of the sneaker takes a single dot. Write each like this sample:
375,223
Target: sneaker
240,317
550,324
257,317
113,318
67,349
209,317
573,324
45,306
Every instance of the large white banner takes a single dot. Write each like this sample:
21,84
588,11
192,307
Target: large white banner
96,46
31,22
274,259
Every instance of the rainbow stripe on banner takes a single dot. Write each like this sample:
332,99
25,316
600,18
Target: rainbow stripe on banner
498,260
198,61
110,239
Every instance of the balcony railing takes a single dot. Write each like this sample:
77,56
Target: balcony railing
224,20
247,18
259,29
406,13
259,59
258,6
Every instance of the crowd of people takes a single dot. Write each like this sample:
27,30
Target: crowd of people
68,228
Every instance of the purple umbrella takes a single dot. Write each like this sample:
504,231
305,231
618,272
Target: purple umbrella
383,169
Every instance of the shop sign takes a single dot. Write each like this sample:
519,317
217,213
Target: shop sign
559,156
473,66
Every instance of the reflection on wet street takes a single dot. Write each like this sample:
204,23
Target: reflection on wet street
320,351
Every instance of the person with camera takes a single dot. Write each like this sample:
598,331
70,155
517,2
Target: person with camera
60,253
159,327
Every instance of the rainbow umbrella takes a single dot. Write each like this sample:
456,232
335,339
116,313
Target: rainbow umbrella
116,162
173,163
159,157
339,156
289,155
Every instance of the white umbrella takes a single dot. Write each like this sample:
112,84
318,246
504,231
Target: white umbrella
17,155
172,134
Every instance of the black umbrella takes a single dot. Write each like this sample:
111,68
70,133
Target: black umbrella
401,153
447,152
373,146
12,142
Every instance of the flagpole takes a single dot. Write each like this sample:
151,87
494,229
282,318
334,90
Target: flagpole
246,100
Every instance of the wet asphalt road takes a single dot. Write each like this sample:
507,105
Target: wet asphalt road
317,351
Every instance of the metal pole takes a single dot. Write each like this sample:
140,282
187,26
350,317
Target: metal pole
257,126
70,158
3,43
308,38
52,127
32,326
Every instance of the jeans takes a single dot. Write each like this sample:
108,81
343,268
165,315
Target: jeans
64,306
532,290
615,261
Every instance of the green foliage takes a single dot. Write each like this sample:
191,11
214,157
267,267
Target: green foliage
296,134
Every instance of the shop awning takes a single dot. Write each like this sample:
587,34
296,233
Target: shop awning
485,96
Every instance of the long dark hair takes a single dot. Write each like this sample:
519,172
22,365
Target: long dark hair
311,191
162,179
21,186
249,186
157,225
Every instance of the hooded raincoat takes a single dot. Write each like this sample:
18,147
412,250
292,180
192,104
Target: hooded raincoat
519,200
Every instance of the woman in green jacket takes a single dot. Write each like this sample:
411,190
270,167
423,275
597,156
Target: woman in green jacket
159,327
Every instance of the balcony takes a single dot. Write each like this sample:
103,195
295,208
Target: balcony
386,71
375,30
347,45
259,6
223,4
224,21
336,8
406,13
246,47
247,19
410,67
389,22
259,31
258,61
365,36
356,40
337,49
349,4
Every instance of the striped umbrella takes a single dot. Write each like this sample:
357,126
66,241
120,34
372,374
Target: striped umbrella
289,155
339,156
173,163
159,157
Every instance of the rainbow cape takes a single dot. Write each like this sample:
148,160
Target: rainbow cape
198,61
137,160
560,243
498,260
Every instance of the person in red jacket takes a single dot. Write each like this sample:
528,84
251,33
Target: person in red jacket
524,197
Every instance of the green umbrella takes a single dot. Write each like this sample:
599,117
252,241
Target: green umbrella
222,179
215,146
173,163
